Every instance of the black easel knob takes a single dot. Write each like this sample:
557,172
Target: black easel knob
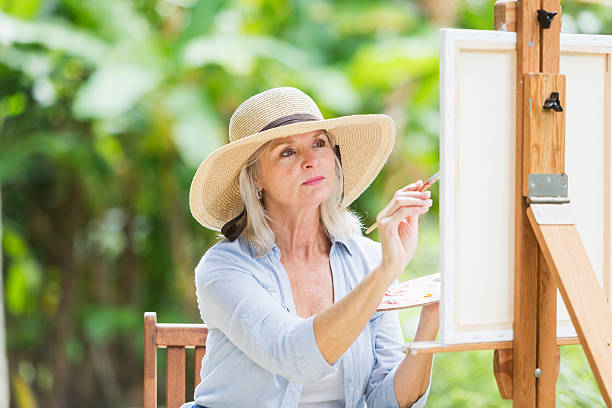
545,18
553,102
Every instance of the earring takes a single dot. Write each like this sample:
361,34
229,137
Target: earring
258,192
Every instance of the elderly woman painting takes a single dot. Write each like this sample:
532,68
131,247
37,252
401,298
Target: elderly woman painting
290,294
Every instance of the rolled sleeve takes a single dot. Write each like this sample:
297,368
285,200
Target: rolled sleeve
232,300
387,398
388,340
311,358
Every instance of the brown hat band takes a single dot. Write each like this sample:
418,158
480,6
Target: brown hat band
287,120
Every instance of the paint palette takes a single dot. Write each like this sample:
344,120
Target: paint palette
412,293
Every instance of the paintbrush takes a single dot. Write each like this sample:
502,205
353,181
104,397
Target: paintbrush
424,187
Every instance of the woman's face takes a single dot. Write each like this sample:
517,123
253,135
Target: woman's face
289,164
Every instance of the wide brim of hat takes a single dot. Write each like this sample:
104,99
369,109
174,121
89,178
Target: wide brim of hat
365,144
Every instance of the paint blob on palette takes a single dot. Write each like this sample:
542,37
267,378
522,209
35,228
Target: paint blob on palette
412,293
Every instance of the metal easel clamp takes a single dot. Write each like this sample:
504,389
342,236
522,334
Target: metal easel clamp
545,18
553,102
548,199
547,188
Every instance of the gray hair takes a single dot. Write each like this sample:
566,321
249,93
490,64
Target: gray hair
341,223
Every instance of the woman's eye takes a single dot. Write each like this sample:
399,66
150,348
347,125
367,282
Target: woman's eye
286,155
320,142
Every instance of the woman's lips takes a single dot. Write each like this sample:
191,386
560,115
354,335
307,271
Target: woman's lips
314,180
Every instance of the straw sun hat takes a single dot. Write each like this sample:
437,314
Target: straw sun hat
365,142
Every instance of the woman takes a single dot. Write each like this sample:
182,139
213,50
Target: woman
290,294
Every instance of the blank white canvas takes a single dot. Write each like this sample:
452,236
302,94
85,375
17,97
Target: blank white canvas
587,157
477,87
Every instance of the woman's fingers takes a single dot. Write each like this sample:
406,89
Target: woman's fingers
413,198
408,202
400,215
403,211
413,186
400,194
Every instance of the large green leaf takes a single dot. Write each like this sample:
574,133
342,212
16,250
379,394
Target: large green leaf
388,63
22,8
53,35
238,53
197,130
113,89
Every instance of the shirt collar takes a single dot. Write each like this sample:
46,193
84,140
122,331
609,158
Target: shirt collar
334,241
344,242
251,247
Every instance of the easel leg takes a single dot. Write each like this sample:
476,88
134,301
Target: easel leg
582,294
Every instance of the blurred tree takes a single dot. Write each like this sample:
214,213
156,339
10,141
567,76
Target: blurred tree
4,377
441,13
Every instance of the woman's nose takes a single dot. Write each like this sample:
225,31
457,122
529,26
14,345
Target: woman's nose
310,160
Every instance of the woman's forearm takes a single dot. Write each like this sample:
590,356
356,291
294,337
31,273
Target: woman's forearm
413,374
337,327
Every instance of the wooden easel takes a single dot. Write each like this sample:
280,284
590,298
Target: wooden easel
549,253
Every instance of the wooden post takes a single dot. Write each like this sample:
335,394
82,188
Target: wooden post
150,360
525,248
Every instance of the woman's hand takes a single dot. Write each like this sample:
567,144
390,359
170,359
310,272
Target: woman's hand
398,225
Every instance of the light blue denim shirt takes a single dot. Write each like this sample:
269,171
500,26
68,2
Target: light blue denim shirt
259,352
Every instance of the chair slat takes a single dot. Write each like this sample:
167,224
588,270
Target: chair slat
175,377
169,334
199,355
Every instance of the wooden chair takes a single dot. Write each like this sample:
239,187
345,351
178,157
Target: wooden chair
175,338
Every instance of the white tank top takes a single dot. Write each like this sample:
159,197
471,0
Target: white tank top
328,392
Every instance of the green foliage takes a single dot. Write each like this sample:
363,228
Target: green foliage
102,324
576,386
23,278
465,380
107,107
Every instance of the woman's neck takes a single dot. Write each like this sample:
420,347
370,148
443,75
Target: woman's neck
300,237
